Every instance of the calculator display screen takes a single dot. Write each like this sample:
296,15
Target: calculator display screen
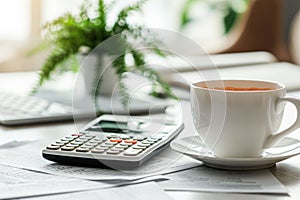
136,126
112,125
109,126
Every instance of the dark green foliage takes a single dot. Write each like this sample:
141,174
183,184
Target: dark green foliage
229,19
68,34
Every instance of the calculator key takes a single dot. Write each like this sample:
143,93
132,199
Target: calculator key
101,148
138,138
143,145
158,137
112,136
125,144
138,147
111,151
119,146
71,137
67,148
111,143
148,142
67,139
52,147
72,145
77,134
77,143
86,147
81,140
98,151
93,143
116,140
98,140
117,149
105,145
59,142
81,149
124,137
90,144
130,141
132,152
152,140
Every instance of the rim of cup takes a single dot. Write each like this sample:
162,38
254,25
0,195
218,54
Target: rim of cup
212,85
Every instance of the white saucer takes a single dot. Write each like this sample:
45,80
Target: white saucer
192,146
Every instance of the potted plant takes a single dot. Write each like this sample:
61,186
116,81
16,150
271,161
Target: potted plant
69,34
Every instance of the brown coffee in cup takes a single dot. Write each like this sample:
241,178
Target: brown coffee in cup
231,88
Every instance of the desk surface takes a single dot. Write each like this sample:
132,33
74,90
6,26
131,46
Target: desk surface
287,172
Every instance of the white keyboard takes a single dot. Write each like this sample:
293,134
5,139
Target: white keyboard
17,110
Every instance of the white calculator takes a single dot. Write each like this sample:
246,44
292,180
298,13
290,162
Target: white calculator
115,141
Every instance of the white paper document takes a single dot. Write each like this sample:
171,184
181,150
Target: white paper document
212,180
29,157
144,191
16,183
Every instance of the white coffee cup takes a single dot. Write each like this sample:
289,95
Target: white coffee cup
242,120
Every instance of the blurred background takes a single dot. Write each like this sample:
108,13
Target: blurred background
220,26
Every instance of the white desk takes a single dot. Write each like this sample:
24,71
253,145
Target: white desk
288,172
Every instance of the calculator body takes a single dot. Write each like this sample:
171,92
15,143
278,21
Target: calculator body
115,141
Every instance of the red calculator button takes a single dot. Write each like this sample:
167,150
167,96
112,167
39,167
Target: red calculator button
116,140
130,141
77,134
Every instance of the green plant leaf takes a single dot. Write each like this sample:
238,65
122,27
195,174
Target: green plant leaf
67,35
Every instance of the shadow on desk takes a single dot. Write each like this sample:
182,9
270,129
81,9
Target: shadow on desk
288,174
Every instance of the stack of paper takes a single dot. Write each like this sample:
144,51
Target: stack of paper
204,179
61,181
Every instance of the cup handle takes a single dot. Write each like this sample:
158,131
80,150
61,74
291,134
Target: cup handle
275,138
